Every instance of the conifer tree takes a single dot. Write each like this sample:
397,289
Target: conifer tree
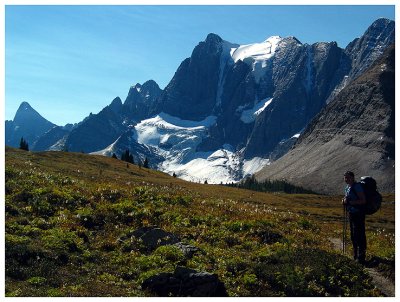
146,163
126,156
23,145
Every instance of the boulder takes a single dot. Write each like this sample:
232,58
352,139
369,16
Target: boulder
154,237
185,282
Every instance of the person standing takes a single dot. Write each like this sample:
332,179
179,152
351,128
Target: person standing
354,201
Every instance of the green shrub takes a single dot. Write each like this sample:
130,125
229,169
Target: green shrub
37,281
170,253
59,242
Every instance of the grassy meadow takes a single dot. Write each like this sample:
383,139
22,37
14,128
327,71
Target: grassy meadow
69,219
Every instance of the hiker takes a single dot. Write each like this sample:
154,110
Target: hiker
354,201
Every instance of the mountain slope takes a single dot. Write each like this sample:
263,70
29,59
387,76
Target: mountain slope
354,132
27,123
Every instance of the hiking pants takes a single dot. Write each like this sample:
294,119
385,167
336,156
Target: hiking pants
358,238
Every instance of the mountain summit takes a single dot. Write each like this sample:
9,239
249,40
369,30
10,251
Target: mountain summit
229,109
27,123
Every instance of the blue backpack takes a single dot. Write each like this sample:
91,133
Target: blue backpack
372,196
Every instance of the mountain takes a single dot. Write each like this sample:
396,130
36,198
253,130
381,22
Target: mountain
229,109
27,123
100,130
97,130
354,132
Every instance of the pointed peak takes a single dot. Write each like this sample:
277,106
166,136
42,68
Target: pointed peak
213,38
382,21
116,105
116,101
380,25
24,106
150,84
25,113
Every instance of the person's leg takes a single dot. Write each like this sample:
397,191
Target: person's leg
353,235
359,236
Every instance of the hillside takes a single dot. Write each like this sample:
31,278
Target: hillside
354,132
79,225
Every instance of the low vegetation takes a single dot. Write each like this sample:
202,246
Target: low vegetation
70,218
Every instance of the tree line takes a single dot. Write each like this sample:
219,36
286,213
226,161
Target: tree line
251,183
128,157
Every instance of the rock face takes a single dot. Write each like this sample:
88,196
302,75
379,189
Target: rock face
140,102
354,132
185,282
27,123
192,92
97,131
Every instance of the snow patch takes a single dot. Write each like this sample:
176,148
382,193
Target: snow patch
254,165
257,51
256,55
248,116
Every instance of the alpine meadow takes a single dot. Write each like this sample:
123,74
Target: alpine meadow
71,221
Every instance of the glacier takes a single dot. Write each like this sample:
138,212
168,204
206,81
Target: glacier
176,141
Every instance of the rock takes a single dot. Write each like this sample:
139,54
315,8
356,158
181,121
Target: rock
185,282
153,237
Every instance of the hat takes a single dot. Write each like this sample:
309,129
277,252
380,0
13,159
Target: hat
348,173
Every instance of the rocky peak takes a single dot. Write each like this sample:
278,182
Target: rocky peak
116,105
213,39
25,111
371,45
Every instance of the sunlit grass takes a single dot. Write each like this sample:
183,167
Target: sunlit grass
70,216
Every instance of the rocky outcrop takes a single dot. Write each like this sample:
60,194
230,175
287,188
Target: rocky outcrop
354,132
141,100
185,282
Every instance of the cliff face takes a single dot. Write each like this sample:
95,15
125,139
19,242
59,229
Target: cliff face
354,132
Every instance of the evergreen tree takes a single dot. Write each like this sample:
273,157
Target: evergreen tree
126,156
146,163
23,145
114,156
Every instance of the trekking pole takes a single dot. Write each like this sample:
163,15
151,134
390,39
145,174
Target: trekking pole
344,229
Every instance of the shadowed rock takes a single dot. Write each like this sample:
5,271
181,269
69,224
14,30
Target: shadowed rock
185,282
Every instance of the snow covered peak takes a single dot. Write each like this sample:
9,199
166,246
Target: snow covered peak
257,51
256,54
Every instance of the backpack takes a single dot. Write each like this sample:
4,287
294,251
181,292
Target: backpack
372,196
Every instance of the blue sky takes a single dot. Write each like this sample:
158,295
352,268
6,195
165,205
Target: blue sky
68,61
